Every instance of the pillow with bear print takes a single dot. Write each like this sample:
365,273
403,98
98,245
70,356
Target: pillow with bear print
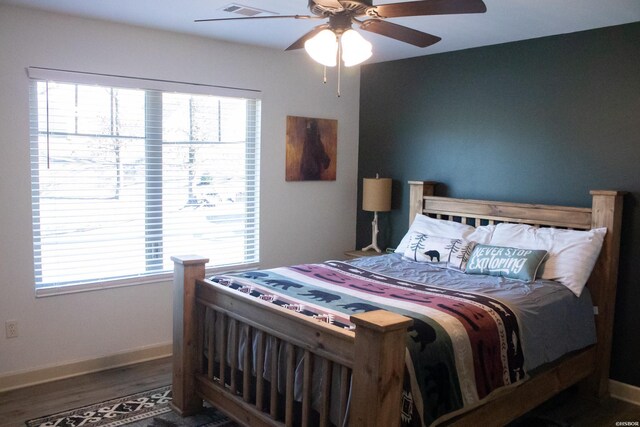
444,251
435,227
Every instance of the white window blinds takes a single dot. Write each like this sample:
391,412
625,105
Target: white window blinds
124,177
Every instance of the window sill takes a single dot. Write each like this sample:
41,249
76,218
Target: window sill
52,291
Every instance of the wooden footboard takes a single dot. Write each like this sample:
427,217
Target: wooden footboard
364,366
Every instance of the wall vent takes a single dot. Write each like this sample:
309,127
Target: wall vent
247,11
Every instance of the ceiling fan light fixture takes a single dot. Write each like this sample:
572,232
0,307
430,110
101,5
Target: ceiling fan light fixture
355,48
323,48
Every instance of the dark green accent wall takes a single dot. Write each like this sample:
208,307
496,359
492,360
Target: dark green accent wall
540,121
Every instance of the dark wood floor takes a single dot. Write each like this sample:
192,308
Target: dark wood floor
17,406
32,402
569,409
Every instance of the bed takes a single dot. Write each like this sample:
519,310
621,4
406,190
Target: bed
302,370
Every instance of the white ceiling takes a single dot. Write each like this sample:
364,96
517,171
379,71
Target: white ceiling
504,21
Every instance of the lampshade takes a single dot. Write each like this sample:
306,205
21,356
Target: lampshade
355,49
376,194
323,48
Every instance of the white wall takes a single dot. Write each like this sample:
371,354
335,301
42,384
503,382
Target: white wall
300,222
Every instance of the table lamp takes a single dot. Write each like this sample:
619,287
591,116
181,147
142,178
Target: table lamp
376,197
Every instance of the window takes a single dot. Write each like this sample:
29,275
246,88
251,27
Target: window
123,178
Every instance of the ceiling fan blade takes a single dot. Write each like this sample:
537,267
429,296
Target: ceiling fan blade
299,44
260,17
399,32
430,7
333,4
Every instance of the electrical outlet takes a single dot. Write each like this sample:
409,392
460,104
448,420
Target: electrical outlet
11,328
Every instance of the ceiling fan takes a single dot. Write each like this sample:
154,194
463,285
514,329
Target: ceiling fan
343,13
335,38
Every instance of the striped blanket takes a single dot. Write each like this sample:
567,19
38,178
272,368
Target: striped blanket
461,347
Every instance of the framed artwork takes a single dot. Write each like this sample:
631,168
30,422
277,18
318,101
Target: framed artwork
311,149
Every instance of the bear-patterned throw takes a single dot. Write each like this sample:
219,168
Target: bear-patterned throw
461,348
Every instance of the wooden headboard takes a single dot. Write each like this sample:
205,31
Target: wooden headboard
605,211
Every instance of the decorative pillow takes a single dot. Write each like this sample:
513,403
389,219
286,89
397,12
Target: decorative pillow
450,253
572,253
435,228
515,263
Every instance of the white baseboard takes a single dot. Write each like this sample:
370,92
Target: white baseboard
626,392
14,380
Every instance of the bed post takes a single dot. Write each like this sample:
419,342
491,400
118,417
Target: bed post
606,211
186,270
417,191
378,373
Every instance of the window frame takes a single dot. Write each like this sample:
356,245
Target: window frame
39,74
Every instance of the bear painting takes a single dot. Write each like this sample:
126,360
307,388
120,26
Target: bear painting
311,149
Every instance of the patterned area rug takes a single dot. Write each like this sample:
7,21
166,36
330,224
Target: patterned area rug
146,409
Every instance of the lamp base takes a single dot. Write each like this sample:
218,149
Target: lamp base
374,235
372,247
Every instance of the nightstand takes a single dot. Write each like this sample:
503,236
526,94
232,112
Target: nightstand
359,254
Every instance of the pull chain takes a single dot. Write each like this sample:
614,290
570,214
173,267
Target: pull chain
339,66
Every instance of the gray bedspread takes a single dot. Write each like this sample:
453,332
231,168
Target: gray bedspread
553,321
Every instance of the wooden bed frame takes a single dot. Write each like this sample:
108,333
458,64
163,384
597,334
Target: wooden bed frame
378,339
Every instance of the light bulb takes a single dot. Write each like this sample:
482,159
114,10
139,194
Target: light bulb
355,49
323,48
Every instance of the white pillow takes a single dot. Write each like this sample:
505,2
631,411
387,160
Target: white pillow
482,234
572,254
436,228
449,253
